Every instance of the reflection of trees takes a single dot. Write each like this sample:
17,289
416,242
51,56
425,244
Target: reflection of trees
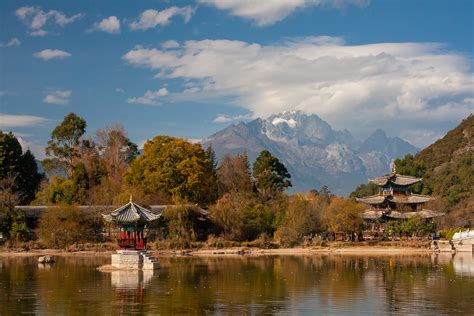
73,286
239,285
417,283
17,279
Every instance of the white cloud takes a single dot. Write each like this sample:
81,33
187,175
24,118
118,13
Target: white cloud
119,90
9,121
150,97
353,86
268,12
35,19
48,54
36,150
223,118
59,97
151,18
170,44
13,42
109,25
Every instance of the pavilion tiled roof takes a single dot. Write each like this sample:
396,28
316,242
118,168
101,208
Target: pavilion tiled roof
131,213
405,215
398,198
373,199
411,198
371,214
395,178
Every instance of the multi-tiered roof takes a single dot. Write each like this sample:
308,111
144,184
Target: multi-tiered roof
394,192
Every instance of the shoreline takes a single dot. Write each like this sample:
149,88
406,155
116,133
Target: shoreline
236,251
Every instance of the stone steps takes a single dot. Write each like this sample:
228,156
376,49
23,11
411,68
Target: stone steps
149,262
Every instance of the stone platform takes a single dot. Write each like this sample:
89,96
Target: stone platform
134,260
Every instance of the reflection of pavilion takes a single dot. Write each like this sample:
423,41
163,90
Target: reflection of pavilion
131,279
130,288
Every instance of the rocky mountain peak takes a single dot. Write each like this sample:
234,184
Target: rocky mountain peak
314,153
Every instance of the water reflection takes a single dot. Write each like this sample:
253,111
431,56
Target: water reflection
326,284
130,290
131,279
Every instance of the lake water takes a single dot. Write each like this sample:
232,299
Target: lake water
297,285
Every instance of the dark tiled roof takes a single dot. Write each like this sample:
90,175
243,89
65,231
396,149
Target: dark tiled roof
398,198
372,214
423,214
397,179
412,198
131,213
373,199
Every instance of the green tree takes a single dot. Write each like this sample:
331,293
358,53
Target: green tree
80,181
12,222
20,167
175,167
242,216
270,174
411,167
365,190
64,146
58,190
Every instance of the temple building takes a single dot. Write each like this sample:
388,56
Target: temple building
131,221
395,201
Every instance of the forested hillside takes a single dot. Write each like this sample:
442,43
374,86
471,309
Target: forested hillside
447,167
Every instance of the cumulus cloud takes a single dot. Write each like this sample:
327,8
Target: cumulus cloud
9,121
36,19
109,25
152,18
268,12
59,97
13,42
351,86
223,118
170,44
150,97
48,54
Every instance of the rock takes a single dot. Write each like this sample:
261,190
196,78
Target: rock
46,259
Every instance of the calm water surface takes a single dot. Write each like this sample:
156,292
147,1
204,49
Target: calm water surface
297,285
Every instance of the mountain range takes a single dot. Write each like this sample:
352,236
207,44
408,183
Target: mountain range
314,153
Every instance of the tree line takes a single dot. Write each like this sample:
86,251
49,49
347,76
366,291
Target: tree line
245,201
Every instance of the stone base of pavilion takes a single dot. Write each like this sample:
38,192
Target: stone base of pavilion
134,260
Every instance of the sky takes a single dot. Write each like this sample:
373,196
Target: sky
190,68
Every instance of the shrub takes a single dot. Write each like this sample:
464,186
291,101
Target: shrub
65,225
179,223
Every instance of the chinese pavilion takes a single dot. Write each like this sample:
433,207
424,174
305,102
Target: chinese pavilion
394,202
131,221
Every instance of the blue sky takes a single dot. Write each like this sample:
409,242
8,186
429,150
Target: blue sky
190,68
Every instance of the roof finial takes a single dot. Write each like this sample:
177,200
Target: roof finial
394,167
131,200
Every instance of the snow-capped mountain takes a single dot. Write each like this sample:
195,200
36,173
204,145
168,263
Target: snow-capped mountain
314,153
